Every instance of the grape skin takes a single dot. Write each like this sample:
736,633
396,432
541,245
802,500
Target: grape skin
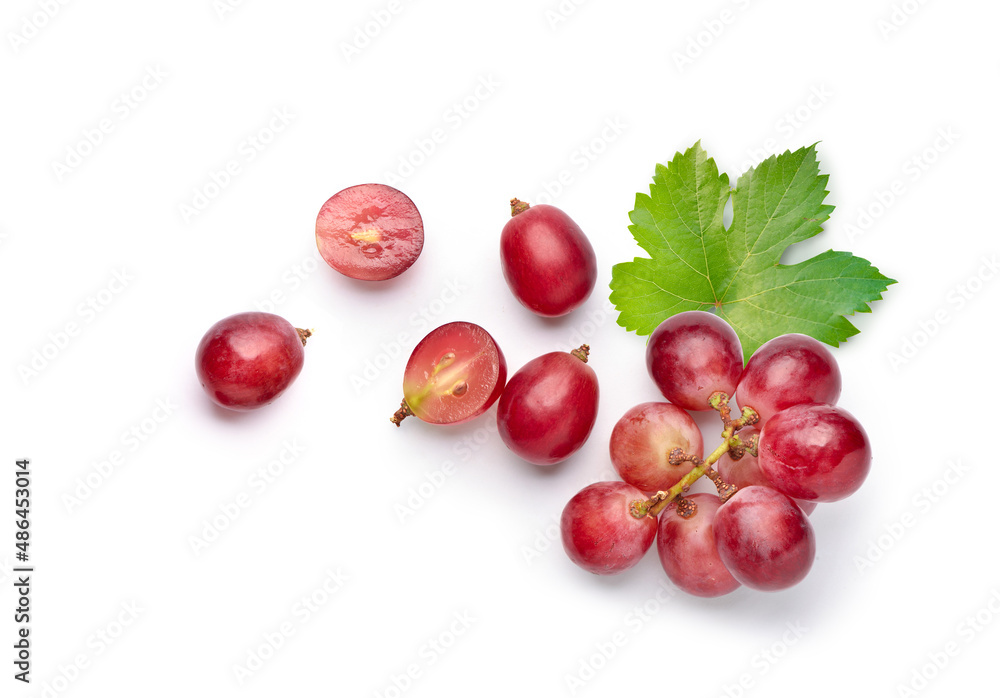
692,355
688,552
598,531
247,360
746,471
549,408
789,370
815,452
764,539
547,261
641,442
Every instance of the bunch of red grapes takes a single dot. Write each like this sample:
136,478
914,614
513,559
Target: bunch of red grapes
788,448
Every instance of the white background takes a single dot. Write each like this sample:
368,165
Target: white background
591,94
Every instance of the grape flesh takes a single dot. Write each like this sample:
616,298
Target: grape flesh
454,374
548,262
790,370
641,442
692,355
764,539
687,549
247,360
549,407
599,532
371,232
745,471
815,452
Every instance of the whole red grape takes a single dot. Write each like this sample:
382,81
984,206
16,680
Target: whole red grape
548,262
247,360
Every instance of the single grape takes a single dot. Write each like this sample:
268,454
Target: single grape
793,369
815,452
371,232
642,440
745,471
247,360
454,374
764,539
692,355
599,532
688,552
548,262
549,407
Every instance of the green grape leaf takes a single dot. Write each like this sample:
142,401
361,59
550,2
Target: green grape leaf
696,263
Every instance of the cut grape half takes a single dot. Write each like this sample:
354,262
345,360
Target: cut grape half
454,374
371,232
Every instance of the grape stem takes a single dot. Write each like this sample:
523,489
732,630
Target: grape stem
517,206
402,413
730,441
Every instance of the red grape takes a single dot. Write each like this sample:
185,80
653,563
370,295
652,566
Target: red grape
764,539
789,370
642,440
687,549
692,355
454,374
371,232
247,360
548,262
549,407
746,471
815,452
599,532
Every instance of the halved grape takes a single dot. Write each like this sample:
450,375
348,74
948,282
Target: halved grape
692,355
371,232
793,369
454,374
549,407
764,539
815,452
688,552
247,360
599,532
642,440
